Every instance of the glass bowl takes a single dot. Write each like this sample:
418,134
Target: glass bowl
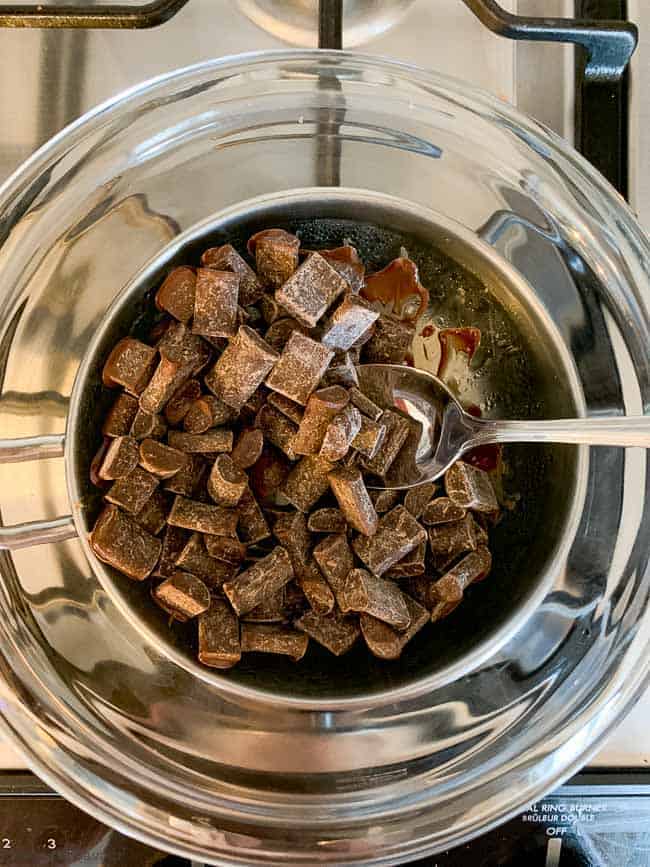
233,772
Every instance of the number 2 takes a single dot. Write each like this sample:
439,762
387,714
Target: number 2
6,843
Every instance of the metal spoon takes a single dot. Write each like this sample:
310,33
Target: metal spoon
448,431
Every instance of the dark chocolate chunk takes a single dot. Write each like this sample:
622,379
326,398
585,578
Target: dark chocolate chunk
470,488
226,483
384,641
271,610
346,261
219,645
342,370
153,515
441,511
300,368
307,482
280,330
262,638
184,349
176,294
132,492
310,290
120,416
368,594
130,364
397,431
248,448
370,437
290,529
249,588
276,255
335,559
323,406
385,500
215,307
447,592
453,538
161,460
315,587
187,480
327,521
252,523
417,498
365,406
226,258
147,425
166,380
173,542
119,541
202,517
290,408
278,429
120,459
397,534
411,565
231,551
334,631
182,595
195,558
348,323
340,434
350,491
390,342
180,402
241,368
217,440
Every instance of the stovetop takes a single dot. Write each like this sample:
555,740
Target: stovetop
50,77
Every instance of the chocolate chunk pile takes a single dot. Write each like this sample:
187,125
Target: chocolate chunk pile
238,452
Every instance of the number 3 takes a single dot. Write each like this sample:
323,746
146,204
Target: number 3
51,843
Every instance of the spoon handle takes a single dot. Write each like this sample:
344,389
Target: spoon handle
603,431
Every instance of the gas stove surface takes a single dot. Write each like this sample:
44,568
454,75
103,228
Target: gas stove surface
62,73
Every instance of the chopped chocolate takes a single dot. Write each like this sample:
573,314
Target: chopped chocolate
231,551
334,631
441,511
182,595
278,429
322,407
384,500
348,323
292,410
147,425
271,310
180,402
166,380
213,441
276,255
290,529
173,542
447,592
370,437
384,641
226,258
252,523
397,431
187,480
184,349
340,434
346,261
453,538
226,483
480,529
310,290
153,515
300,368
215,307
192,515
268,475
307,482
411,565
315,587
241,368
335,559
342,370
390,342
397,534
368,594
471,488
195,558
219,645
130,365
119,541
271,610
261,638
327,521
161,460
120,416
417,498
132,492
176,294
281,330
120,459
248,448
251,587
350,491
365,406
